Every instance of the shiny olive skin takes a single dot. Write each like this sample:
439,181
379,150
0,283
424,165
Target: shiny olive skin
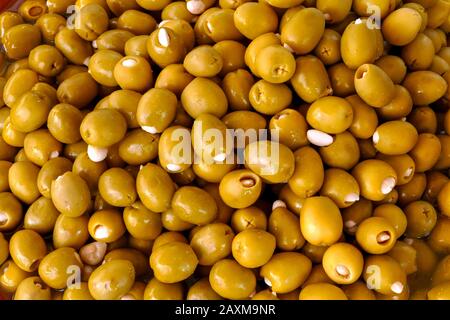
194,205
272,161
103,127
312,220
154,187
310,80
69,90
304,30
388,139
11,276
4,168
133,73
328,49
269,98
203,95
70,194
370,79
157,290
101,66
307,179
27,248
322,291
106,225
231,280
252,28
41,216
20,39
240,188
285,226
70,232
376,235
89,170
212,243
425,87
112,280
202,290
247,218
72,46
117,187
376,179
137,258
394,215
54,268
50,24
64,122
169,52
114,39
173,262
394,66
281,274
32,288
150,115
22,177
253,247
174,78
331,115
359,44
11,211
391,279
343,263
19,83
142,223
291,126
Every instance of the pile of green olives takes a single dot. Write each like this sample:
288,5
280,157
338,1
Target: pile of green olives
351,201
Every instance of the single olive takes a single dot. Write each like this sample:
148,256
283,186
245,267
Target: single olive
310,80
157,290
154,187
32,288
318,228
384,274
285,226
173,262
194,205
322,291
106,225
112,280
376,235
231,280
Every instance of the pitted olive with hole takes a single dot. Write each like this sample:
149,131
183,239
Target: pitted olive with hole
106,225
376,179
133,73
390,277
